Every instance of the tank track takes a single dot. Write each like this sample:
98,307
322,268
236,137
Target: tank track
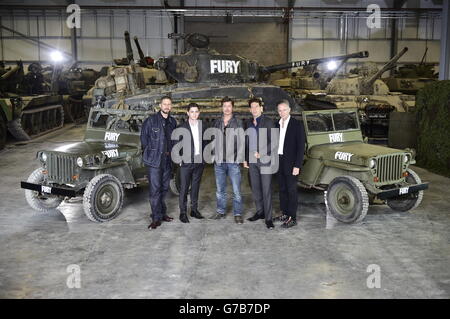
36,122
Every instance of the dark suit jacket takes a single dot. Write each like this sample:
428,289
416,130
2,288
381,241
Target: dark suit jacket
266,123
294,146
199,158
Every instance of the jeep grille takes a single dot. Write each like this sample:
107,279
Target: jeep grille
60,168
389,168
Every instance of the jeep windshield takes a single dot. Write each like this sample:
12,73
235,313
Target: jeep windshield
333,121
125,121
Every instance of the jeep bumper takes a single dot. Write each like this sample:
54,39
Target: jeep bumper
402,191
54,190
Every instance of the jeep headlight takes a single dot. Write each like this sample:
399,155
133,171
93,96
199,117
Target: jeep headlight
43,157
80,162
406,158
372,163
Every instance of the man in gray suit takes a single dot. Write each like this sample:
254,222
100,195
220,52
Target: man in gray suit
258,145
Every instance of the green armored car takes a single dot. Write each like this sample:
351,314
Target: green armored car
99,167
353,173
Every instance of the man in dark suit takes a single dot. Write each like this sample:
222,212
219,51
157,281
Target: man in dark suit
156,145
291,147
191,170
258,145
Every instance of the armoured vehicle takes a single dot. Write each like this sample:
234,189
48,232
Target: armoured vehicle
72,84
27,108
351,172
337,160
369,93
410,77
312,79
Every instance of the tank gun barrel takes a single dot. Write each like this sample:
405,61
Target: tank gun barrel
386,67
141,54
301,63
128,47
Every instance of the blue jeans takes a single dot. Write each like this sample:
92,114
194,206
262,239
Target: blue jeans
232,170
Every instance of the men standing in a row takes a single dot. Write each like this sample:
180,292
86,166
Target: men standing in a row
226,158
258,153
156,145
291,147
191,172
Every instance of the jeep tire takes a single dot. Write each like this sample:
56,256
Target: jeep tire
38,201
103,198
347,199
407,202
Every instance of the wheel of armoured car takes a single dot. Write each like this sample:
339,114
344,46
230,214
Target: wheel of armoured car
103,198
407,202
347,199
38,201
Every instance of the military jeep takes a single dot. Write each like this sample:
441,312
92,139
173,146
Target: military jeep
353,173
108,160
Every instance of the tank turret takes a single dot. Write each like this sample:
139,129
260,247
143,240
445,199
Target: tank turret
202,64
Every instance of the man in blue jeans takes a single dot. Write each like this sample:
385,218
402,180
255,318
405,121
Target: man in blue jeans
228,151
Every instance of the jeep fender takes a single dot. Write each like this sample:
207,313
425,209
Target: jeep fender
122,172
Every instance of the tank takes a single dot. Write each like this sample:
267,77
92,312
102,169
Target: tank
28,108
312,79
364,88
72,84
411,77
205,76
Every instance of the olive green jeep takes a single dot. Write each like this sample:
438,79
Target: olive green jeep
108,160
353,173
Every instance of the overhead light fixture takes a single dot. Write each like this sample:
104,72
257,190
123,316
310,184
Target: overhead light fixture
56,56
332,65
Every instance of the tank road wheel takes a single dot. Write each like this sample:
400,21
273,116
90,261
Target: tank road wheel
103,198
3,132
347,199
407,202
37,201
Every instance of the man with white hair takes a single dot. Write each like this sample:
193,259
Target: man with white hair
291,146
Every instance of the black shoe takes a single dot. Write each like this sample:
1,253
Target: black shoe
269,224
217,216
196,214
255,217
238,219
184,218
289,223
281,218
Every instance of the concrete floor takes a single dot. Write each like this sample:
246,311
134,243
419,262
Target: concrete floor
216,259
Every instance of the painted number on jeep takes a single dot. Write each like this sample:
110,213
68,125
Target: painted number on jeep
403,190
336,137
46,189
111,153
111,136
343,156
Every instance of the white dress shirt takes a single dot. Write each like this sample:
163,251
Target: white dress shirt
282,134
196,136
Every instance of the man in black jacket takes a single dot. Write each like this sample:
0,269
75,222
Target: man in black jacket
191,170
257,155
156,145
291,147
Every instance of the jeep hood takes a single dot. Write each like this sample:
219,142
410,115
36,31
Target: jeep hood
92,148
350,152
